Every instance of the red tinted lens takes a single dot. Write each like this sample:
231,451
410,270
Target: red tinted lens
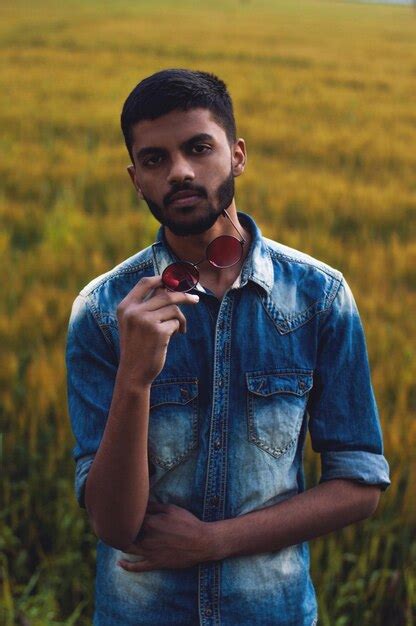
180,276
224,251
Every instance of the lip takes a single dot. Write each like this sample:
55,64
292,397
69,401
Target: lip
184,198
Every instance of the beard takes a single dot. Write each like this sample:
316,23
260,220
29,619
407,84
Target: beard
223,197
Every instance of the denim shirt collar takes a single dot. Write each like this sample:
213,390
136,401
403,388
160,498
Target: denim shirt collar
257,267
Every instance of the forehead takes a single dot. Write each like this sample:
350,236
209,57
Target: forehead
175,128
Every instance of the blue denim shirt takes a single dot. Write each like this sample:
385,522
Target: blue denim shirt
282,353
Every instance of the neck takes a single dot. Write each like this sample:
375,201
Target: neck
192,247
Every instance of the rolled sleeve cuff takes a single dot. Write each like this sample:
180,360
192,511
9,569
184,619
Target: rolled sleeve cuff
81,472
364,467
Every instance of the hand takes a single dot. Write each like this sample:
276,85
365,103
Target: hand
148,317
170,538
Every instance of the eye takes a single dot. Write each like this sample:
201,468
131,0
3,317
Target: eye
200,148
152,161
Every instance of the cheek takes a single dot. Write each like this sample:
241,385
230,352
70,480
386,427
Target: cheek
211,177
152,188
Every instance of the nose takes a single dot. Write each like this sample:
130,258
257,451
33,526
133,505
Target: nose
180,170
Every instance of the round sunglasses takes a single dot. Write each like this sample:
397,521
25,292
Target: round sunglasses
223,251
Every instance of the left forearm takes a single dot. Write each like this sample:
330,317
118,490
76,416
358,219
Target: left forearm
315,512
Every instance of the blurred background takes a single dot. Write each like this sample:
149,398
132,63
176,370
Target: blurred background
324,95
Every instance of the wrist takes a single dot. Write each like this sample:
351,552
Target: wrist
131,380
215,549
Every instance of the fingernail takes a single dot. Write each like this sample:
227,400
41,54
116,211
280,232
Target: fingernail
194,297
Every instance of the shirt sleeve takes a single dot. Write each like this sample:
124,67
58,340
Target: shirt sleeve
343,418
91,366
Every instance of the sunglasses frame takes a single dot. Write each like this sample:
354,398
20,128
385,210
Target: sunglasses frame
193,267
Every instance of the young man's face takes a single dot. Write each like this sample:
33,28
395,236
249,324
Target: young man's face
185,153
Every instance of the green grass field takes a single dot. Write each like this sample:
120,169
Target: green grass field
324,96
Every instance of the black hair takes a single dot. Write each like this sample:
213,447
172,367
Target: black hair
177,89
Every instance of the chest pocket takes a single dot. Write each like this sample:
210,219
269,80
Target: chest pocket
276,403
173,421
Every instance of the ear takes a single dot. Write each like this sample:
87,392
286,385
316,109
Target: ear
239,157
132,174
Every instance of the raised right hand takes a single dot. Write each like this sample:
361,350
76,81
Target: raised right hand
147,321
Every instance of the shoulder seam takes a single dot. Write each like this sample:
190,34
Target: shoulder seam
331,297
113,274
96,317
333,272
334,291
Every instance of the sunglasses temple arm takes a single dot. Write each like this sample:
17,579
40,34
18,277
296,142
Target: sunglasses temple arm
235,227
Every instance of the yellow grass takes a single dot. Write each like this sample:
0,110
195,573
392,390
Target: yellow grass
324,96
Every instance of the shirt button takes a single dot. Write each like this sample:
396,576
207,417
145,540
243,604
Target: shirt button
220,382
217,444
214,501
208,611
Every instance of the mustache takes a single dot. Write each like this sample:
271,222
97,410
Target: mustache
200,191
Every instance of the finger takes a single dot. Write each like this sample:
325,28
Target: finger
156,507
171,326
135,548
142,290
162,297
138,566
172,312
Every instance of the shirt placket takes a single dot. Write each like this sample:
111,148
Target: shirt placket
215,486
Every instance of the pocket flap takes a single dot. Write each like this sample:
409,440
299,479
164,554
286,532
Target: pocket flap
267,383
173,392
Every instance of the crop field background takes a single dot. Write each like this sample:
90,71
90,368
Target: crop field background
324,94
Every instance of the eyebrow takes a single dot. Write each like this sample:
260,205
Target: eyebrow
157,150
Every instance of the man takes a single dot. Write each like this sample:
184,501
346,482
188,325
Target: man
191,387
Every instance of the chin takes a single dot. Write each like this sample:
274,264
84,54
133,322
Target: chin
185,230
194,222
